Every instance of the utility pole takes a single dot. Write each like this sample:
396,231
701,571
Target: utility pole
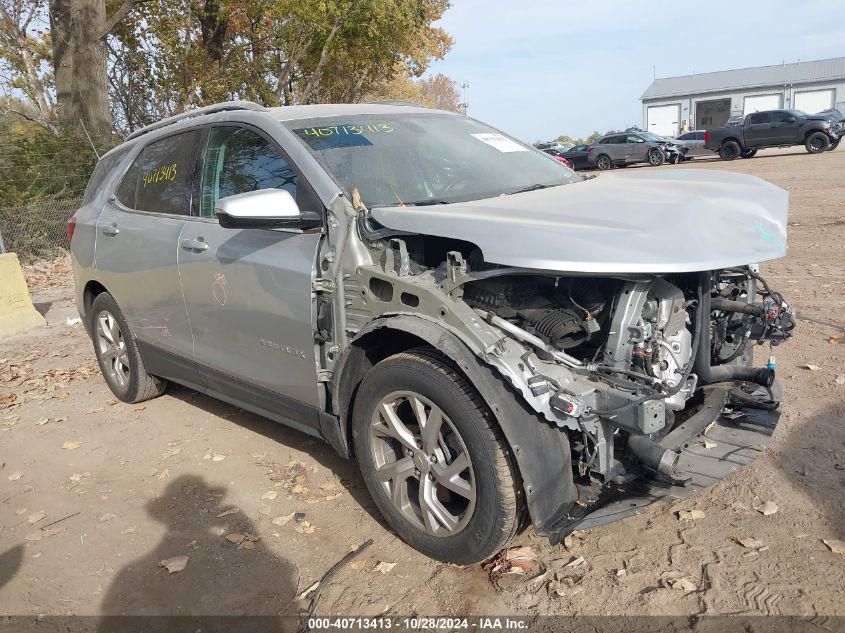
464,105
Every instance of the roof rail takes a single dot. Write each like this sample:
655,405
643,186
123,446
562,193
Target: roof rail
225,106
397,102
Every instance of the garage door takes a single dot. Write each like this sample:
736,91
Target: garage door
813,101
664,120
760,103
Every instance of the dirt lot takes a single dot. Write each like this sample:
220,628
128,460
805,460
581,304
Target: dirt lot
126,487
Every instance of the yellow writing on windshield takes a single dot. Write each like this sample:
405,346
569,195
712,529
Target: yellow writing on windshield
164,172
346,130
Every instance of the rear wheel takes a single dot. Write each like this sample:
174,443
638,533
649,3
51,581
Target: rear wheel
748,153
117,354
434,459
602,162
817,143
729,150
656,156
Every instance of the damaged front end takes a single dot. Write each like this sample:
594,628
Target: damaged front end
632,369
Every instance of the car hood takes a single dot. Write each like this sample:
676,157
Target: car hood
678,220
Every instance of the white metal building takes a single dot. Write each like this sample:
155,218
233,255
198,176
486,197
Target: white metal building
707,100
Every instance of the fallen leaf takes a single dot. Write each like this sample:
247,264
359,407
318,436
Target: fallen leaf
305,593
42,534
840,379
108,516
236,538
384,567
767,508
836,339
172,565
357,565
228,512
304,528
129,530
20,511
283,520
171,452
217,457
63,396
164,474
141,408
42,421
685,585
270,495
7,399
79,476
837,547
750,543
69,446
35,517
811,367
298,489
208,454
708,444
621,572
708,427
690,515
71,321
15,475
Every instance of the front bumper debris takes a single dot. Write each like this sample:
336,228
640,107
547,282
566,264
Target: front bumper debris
739,440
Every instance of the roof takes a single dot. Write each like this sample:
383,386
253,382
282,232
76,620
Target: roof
725,80
292,113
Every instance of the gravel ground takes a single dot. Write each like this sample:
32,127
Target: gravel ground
126,487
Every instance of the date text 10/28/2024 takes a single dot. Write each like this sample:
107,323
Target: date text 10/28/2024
419,623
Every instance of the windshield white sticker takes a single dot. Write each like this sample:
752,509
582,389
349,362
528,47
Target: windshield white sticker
501,143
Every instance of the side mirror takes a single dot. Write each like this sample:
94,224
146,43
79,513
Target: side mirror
261,209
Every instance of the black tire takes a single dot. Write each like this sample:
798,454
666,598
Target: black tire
134,384
730,150
748,153
817,142
498,499
656,157
603,162
833,145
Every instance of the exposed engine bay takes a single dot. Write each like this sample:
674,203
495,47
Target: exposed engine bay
617,358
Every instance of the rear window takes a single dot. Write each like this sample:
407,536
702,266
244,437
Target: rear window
160,178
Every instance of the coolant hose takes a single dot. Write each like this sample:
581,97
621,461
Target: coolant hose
704,368
652,454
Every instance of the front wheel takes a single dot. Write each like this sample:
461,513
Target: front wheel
833,145
730,150
817,143
117,353
656,157
434,459
748,153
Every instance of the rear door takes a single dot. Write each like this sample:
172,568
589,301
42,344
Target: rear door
248,291
757,130
137,238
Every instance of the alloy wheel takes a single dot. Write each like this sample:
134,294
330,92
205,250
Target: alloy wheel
422,463
112,348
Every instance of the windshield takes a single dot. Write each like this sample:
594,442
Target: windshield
418,159
651,136
797,113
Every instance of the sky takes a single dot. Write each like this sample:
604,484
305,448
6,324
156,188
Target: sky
538,69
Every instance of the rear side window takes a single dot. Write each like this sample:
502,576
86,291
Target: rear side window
238,160
160,178
104,166
760,117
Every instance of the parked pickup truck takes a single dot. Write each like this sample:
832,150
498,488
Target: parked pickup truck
775,128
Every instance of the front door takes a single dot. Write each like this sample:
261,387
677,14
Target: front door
784,129
248,291
137,239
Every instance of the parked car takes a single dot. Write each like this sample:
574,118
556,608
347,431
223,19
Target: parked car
579,156
629,148
558,155
694,141
474,325
558,145
775,128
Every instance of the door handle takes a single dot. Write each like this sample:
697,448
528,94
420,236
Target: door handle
195,245
110,230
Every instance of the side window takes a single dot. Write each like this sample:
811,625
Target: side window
160,178
238,160
780,117
605,141
633,138
759,117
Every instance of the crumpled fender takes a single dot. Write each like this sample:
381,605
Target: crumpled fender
541,450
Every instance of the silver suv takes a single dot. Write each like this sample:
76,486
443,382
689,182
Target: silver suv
492,337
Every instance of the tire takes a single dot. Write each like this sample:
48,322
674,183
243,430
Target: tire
730,150
817,142
123,372
656,157
485,510
748,153
833,145
603,162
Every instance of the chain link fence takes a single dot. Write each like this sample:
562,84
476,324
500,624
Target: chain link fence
37,230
